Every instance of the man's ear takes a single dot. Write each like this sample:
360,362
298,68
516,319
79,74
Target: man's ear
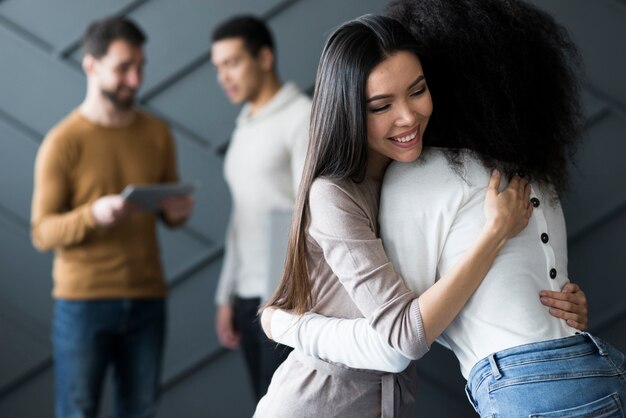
88,63
266,58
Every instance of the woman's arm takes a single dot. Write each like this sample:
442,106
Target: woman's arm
353,343
507,213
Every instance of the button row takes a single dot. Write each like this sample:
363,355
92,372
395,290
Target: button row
544,237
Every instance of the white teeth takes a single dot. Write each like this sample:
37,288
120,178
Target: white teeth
406,138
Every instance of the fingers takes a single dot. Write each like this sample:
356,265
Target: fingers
108,210
227,336
578,325
228,339
494,182
225,330
178,207
571,288
575,321
526,193
564,305
578,297
559,313
569,306
556,295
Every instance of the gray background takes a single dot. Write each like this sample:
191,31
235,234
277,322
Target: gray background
41,81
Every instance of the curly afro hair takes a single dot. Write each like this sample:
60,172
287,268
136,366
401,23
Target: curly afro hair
504,81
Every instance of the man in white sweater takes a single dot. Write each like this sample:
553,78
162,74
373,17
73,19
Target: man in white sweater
262,167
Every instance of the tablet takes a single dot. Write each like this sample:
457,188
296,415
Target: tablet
148,196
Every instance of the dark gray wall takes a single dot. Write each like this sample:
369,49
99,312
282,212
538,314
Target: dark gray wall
41,81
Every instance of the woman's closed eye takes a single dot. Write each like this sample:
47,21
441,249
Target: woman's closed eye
379,109
419,91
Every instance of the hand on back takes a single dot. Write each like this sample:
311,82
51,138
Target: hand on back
508,211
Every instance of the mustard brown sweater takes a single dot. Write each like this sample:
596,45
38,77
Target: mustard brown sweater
77,163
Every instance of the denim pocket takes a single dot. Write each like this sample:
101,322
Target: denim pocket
607,407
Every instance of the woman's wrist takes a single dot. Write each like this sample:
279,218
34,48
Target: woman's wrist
495,233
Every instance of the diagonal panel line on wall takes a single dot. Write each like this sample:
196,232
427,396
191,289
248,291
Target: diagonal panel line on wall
597,118
195,267
29,132
187,69
25,34
26,377
68,50
199,140
594,225
204,58
193,368
616,104
279,8
15,220
43,366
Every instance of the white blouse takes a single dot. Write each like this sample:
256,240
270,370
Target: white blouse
430,214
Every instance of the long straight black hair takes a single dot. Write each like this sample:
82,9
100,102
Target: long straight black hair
338,131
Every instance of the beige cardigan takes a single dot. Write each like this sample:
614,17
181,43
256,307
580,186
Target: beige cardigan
351,278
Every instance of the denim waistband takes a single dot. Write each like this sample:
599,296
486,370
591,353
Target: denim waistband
579,344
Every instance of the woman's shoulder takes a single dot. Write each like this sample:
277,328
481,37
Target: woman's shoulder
340,193
327,187
331,186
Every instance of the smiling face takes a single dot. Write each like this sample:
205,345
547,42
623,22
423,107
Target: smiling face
118,74
398,106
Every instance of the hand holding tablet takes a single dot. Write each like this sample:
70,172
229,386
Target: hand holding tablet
149,197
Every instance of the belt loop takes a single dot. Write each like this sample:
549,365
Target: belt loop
494,366
388,395
597,342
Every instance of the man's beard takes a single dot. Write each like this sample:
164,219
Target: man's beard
118,102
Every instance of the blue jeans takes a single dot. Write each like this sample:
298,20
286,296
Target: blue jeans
578,376
88,336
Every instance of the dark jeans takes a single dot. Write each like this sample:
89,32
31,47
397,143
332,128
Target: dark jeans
88,336
262,355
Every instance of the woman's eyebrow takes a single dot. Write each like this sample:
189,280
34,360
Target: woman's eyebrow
386,96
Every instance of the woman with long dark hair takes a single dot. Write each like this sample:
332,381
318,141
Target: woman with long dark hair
504,76
371,106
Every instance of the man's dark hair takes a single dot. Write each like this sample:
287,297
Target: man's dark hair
504,80
100,34
252,30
